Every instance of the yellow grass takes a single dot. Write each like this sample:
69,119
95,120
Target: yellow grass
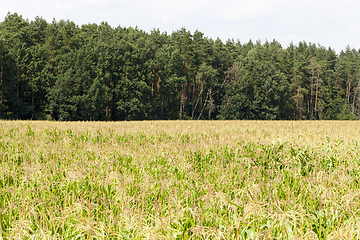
180,180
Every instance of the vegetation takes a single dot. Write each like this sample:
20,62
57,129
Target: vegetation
61,71
180,180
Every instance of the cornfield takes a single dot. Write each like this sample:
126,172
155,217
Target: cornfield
180,180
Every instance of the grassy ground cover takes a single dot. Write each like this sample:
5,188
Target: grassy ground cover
180,180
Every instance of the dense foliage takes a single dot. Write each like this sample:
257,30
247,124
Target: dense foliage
62,71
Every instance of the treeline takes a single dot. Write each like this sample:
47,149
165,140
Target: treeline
61,71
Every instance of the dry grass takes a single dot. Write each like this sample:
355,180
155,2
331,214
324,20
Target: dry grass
180,180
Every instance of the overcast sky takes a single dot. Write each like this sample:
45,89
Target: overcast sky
330,23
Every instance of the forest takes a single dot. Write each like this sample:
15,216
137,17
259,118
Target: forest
65,72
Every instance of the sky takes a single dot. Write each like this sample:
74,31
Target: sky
330,23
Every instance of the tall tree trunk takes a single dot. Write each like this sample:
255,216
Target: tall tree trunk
348,89
311,98
316,92
193,104
354,99
199,98
32,104
182,102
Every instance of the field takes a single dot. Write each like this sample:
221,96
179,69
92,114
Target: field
180,180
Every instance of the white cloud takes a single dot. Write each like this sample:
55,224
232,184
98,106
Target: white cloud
235,10
329,22
65,6
94,3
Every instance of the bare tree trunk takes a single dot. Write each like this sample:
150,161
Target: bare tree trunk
311,98
206,101
182,102
193,107
354,98
211,104
316,97
197,101
153,82
33,104
315,69
348,89
317,91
